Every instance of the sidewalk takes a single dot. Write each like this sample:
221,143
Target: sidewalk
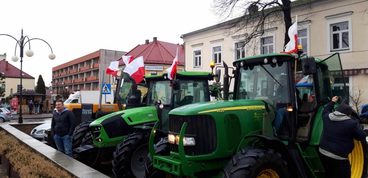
33,116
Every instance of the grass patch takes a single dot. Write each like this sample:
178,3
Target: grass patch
26,162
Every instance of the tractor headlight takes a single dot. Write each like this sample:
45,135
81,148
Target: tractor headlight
187,141
171,138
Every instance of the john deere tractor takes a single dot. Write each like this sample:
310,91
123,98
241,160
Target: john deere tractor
128,131
245,137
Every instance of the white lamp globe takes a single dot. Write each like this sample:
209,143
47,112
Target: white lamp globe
29,53
52,56
14,58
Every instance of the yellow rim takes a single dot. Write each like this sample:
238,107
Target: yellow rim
356,158
268,173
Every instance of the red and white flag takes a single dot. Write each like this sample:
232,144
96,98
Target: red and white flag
171,71
134,67
113,68
292,45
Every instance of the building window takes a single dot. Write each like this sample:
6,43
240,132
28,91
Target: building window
197,55
267,45
339,36
216,53
303,39
239,50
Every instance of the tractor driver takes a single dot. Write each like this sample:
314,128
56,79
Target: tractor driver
282,99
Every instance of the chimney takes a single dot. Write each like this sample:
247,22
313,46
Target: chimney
7,65
154,39
147,41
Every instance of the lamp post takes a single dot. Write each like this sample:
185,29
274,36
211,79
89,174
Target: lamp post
22,42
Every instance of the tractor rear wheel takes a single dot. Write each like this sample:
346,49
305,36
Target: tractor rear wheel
260,163
130,156
81,136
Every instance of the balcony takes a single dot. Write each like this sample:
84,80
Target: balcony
92,78
84,68
72,71
96,65
62,74
78,80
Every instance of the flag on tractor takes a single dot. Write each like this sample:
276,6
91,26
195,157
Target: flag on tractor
171,71
292,45
113,68
134,67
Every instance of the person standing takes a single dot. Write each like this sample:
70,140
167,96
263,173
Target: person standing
30,106
337,141
62,126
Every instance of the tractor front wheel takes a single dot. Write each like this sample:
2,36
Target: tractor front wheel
161,148
81,136
257,163
130,156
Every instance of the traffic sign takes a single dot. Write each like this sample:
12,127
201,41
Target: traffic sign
106,88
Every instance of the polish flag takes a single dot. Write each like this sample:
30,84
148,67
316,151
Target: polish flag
113,68
292,45
171,71
134,67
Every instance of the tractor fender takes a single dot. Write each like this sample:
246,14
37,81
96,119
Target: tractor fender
256,140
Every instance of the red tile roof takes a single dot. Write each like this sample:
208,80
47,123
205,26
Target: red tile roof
157,52
11,71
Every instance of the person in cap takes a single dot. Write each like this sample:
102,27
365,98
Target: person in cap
337,141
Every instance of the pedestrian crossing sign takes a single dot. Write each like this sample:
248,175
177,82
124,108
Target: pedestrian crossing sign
106,88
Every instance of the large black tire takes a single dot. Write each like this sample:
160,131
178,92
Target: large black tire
130,156
252,163
161,148
81,135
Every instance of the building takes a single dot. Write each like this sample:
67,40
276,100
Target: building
158,55
12,78
325,27
84,73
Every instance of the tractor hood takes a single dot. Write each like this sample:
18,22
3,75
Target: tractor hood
218,106
131,116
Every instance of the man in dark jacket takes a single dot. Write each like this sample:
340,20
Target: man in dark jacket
337,142
62,126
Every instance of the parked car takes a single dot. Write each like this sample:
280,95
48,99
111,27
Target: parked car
5,115
39,131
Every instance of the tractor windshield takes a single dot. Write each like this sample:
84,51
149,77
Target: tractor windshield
125,87
191,91
129,92
159,91
264,81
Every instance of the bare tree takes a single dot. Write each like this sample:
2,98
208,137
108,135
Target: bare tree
356,100
255,15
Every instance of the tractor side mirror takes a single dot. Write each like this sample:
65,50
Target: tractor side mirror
309,66
175,85
217,75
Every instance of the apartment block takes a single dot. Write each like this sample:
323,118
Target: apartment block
84,73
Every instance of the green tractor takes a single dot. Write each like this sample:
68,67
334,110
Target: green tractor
244,137
123,136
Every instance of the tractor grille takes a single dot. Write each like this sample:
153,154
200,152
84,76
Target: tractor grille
203,128
116,127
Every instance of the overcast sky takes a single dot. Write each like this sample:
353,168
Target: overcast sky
77,27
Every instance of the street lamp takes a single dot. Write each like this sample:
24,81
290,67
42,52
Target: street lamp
22,42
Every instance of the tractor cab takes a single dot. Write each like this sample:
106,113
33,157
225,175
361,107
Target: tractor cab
129,93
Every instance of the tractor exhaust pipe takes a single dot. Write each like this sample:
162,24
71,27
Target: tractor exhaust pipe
226,81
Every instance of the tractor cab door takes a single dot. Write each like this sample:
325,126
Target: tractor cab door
315,90
333,81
